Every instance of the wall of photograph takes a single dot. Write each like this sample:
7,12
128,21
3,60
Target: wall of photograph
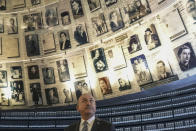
52,51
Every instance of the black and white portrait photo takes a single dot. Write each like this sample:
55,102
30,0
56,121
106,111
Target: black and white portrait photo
99,60
151,37
76,7
1,25
18,95
32,45
35,90
191,9
110,2
80,34
64,40
105,86
48,75
185,56
124,83
4,100
67,95
94,5
116,21
125,15
99,24
138,9
3,78
163,72
33,72
51,16
11,25
33,22
2,5
63,70
65,18
134,44
16,72
52,96
141,70
81,87
35,2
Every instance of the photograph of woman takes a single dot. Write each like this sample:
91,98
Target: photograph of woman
99,60
134,44
51,16
105,86
63,70
116,21
64,40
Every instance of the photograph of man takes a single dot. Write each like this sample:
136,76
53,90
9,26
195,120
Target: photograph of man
186,56
3,78
191,9
48,75
151,37
80,34
134,44
32,22
32,45
124,84
63,70
2,4
99,24
35,2
12,25
17,96
64,40
51,16
110,2
105,86
16,72
94,4
99,60
86,106
52,96
116,21
67,95
33,72
76,7
35,89
3,100
162,71
65,18
141,70
81,87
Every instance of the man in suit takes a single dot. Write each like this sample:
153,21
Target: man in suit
162,73
87,108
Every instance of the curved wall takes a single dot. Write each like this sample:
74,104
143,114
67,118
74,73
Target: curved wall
108,44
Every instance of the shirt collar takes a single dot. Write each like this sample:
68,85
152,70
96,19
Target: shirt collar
90,120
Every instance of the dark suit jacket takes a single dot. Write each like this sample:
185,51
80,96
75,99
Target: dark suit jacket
98,125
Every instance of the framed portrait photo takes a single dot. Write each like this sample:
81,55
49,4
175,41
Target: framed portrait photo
32,22
110,2
63,70
185,56
48,75
105,86
191,10
99,60
4,100
67,95
80,34
99,24
123,83
52,96
76,7
11,25
18,94
2,5
32,45
82,87
51,16
141,70
33,72
94,5
125,15
134,44
3,78
48,43
16,72
35,2
65,18
35,89
64,40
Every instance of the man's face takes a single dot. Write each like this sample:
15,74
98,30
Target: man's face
161,68
191,9
86,105
65,19
185,56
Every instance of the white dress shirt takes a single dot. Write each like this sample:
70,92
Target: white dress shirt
90,123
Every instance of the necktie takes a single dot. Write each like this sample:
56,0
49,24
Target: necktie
85,126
